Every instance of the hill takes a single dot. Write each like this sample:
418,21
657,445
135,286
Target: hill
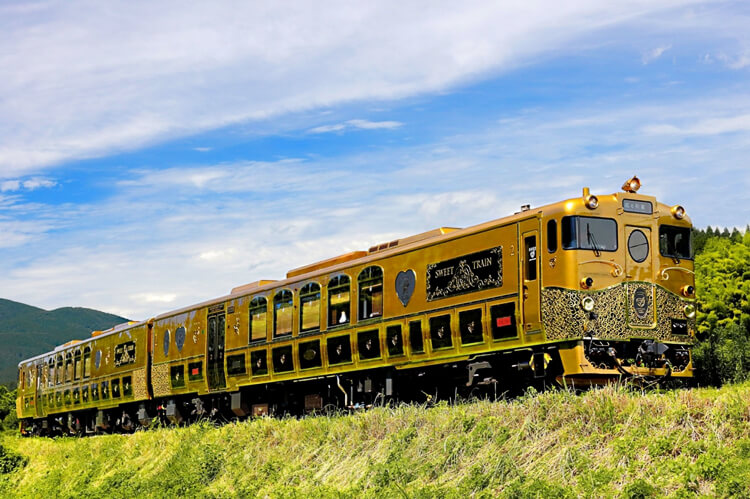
610,442
26,331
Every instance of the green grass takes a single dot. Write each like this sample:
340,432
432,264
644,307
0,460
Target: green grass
610,442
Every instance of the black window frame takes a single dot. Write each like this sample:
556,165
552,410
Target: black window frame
369,285
465,317
337,285
308,293
416,337
313,362
436,323
334,358
371,337
394,349
565,231
551,236
687,230
257,304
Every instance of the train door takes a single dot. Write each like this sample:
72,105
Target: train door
215,349
529,266
638,262
38,390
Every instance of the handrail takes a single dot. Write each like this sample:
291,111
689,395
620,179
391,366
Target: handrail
665,276
616,271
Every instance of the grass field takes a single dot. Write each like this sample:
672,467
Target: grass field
610,442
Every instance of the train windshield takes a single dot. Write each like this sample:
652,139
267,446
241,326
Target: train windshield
674,242
597,234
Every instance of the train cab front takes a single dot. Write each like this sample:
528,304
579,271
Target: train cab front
619,288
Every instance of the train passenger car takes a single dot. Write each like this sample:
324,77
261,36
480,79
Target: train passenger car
82,385
583,291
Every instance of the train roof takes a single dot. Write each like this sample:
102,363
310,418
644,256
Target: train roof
95,335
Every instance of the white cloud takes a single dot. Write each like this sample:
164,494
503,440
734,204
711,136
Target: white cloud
711,126
85,79
202,149
357,124
654,54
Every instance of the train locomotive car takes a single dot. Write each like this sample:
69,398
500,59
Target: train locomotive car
579,292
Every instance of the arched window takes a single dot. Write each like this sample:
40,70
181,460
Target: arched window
282,313
77,368
309,307
51,372
338,300
87,362
59,370
68,367
258,311
370,293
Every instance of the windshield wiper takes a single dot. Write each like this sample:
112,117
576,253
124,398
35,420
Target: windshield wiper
592,241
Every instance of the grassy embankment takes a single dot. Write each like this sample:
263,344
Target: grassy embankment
606,443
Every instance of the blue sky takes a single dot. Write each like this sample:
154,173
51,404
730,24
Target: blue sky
154,155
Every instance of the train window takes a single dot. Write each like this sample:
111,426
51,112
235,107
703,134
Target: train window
338,300
674,242
59,373
95,391
638,246
470,325
51,400
58,399
394,341
167,334
552,236
127,386
98,359
370,293
115,388
530,244
597,234
258,310
503,320
76,396
69,368
368,344
282,359
176,377
415,337
236,364
85,394
105,390
440,332
195,371
282,313
87,362
66,397
51,373
309,354
259,363
339,350
309,304
179,338
77,366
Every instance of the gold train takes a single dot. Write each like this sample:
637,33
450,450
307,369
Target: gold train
584,291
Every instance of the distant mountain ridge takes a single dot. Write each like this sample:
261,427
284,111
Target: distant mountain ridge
27,331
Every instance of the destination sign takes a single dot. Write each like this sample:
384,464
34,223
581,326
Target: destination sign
633,206
465,274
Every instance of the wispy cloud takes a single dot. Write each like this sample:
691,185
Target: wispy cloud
156,71
357,125
711,126
29,184
654,54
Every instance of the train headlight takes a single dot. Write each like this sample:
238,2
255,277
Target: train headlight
689,311
678,212
632,185
587,282
592,202
587,303
687,290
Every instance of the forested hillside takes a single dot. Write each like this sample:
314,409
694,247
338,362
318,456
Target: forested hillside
722,275
26,331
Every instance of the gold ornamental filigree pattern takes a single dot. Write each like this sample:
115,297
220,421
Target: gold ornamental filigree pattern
640,304
563,317
160,380
140,389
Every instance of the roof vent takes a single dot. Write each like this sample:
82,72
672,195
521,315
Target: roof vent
525,207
